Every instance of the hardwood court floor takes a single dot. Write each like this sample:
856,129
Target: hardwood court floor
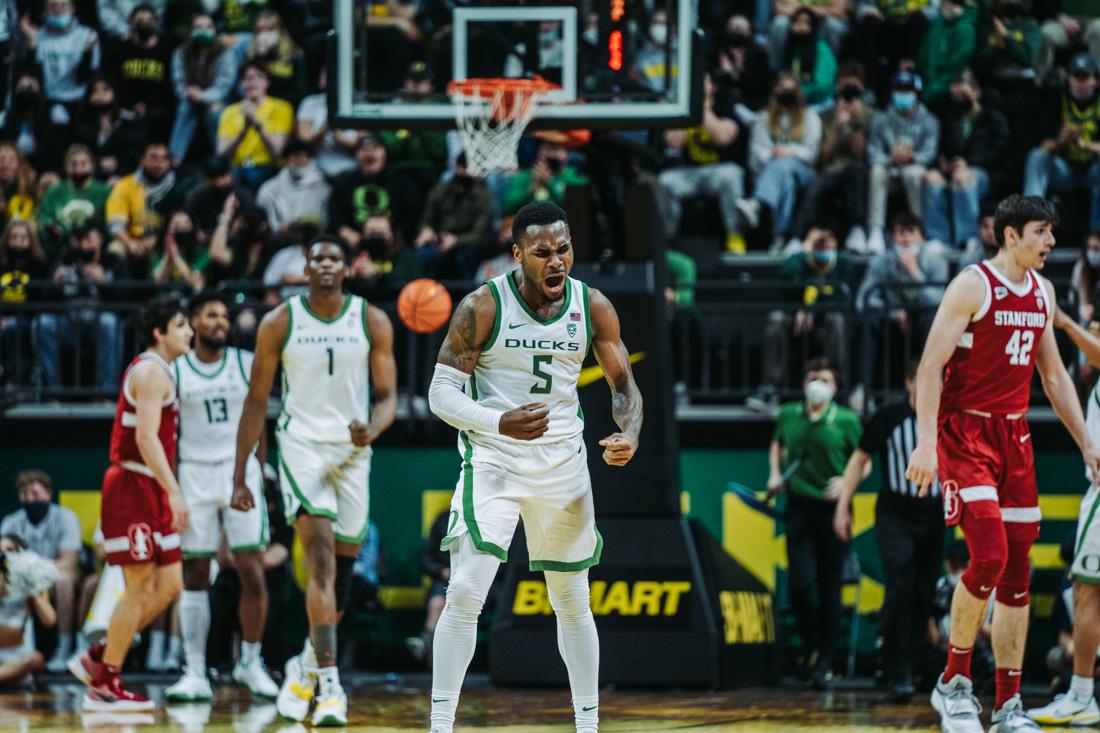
396,704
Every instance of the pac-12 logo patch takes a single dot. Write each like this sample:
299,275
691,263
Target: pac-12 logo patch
1000,292
141,541
952,503
571,329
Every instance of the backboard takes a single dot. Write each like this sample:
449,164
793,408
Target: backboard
611,67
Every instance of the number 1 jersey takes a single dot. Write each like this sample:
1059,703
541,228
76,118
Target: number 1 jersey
211,398
991,368
529,358
326,371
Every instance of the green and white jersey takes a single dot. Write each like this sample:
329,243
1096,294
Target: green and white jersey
326,363
211,398
531,359
1092,419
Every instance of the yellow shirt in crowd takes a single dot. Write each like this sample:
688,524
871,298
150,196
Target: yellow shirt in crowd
274,116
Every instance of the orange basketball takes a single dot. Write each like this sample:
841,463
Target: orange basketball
424,305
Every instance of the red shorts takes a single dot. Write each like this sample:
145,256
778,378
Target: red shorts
136,520
987,471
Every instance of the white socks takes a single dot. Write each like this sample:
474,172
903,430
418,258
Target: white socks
328,679
154,655
309,657
250,652
194,610
1081,687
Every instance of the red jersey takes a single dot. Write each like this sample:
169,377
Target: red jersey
124,432
991,368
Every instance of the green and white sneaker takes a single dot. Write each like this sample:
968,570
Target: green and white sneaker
256,679
331,709
1067,709
1011,718
193,686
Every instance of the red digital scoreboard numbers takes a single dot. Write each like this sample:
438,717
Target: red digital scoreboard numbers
615,39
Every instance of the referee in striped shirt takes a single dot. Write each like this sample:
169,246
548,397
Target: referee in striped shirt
909,531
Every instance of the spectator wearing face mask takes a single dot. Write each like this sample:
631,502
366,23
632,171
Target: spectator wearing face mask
545,180
84,271
68,54
1068,158
180,256
975,144
947,49
273,48
813,439
116,16
842,167
830,19
785,144
381,260
52,532
203,74
651,66
902,286
298,193
454,229
27,122
823,279
73,200
742,69
904,140
808,57
114,136
1086,276
141,66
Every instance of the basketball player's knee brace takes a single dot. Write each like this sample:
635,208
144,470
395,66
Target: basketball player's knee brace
344,567
988,557
1016,579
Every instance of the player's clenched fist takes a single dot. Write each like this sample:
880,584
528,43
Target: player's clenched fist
526,422
361,434
242,497
618,449
923,465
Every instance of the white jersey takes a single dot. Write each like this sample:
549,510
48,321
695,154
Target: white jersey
326,381
211,399
1092,420
531,359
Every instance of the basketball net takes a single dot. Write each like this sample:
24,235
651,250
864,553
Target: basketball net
491,115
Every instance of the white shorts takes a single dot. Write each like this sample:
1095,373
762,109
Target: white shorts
546,484
303,465
1086,550
207,489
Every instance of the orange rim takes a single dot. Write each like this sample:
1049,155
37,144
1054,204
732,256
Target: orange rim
487,88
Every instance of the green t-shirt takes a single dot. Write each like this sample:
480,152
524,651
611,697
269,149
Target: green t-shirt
824,445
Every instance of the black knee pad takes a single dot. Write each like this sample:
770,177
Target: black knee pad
343,580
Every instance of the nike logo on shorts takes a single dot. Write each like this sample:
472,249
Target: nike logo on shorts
1019,595
986,588
1025,438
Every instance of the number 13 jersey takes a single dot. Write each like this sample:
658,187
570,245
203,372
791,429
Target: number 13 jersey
211,398
991,368
529,358
326,364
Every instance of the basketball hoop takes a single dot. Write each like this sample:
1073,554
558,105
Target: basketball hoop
491,115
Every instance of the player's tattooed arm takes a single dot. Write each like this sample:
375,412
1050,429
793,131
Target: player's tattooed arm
383,374
626,399
269,344
471,325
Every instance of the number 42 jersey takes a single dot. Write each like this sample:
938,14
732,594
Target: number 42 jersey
991,368
211,399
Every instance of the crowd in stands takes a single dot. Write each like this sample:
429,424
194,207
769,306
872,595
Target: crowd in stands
187,144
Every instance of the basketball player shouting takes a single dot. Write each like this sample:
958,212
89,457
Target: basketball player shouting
507,379
142,508
212,382
993,327
334,349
